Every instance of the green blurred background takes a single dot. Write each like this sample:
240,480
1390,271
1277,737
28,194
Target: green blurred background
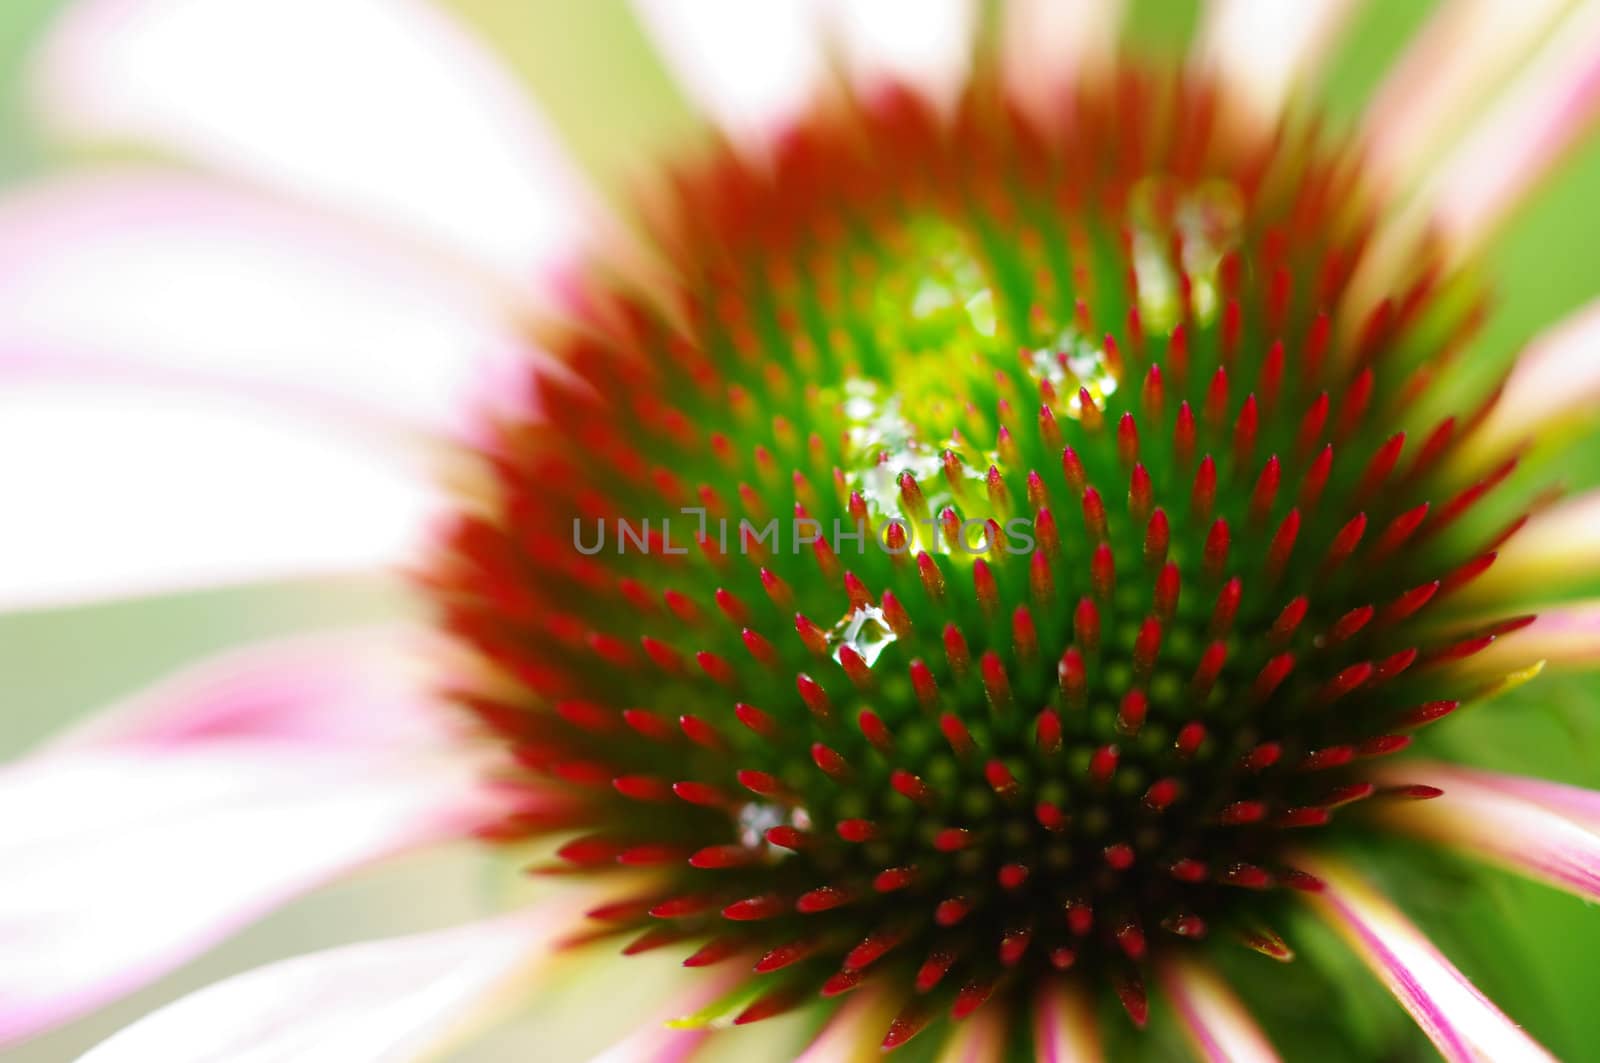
1530,948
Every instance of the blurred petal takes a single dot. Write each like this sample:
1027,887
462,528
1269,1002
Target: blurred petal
1566,635
1265,49
1047,44
117,489
979,1038
121,865
1064,1026
661,1040
753,67
1556,381
854,1033
384,108
1555,547
926,43
362,689
178,279
1576,803
1460,1021
1214,1020
1498,825
1523,136
1460,56
376,1002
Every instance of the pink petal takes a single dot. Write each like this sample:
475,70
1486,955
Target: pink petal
1492,817
367,689
853,1032
1216,1023
1556,546
1064,1027
753,67
1048,43
1464,52
1523,136
1576,803
376,1002
122,864
660,1040
384,108
1555,383
926,43
979,1038
1564,636
1462,1023
188,283
1265,49
117,489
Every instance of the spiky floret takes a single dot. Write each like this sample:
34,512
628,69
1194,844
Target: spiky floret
897,756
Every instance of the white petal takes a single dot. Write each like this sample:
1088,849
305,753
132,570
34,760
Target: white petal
1496,824
1556,546
120,865
854,1033
1555,382
753,67
116,489
1265,49
182,280
360,689
376,1002
926,43
383,108
1464,51
1216,1023
1462,1023
1048,44
1523,136
1065,1030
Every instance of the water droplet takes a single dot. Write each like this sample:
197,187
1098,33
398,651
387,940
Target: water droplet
864,630
1208,218
755,818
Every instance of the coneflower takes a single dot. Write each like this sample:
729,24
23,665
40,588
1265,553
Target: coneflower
976,562
862,726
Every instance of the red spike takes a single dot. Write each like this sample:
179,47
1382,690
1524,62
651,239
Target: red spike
1207,671
1103,765
1041,582
757,721
1315,479
1427,713
1000,779
1161,794
1074,678
648,725
996,685
1130,992
1216,408
894,878
857,830
875,731
912,1018
1204,494
1190,736
1266,491
1244,432
1345,542
1168,586
1183,437
1311,426
1024,637
762,783
1103,572
1178,354
955,649
830,761
1154,393
1088,415
762,650
856,668
1288,621
1146,646
1140,494
1050,817
1346,681
1094,515
701,733
786,837
1226,608
1409,602
1378,469
1127,440
823,899
923,684
1349,624
952,839
1215,552
1272,374
1247,876
1242,812
1187,870
1086,625
933,970
814,638
719,670
956,734
1072,469
1398,531
1383,745
1324,759
766,906
1044,530
814,696
1355,402
699,793
1393,665
717,857
1157,538
1131,713
951,911
714,951
1118,856
1345,795
912,787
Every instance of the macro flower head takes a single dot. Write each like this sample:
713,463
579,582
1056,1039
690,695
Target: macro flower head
976,554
